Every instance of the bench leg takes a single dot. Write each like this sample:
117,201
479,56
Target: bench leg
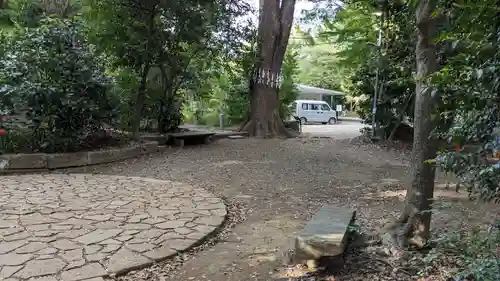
312,265
207,140
179,142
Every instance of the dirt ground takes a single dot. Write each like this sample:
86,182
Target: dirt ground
280,184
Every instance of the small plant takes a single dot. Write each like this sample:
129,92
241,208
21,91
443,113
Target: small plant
476,253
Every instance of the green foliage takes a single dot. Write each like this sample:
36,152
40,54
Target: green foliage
347,57
474,252
319,67
29,13
229,91
25,13
288,91
471,78
53,82
123,91
238,103
466,84
170,45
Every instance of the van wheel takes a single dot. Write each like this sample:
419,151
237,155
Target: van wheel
303,120
332,121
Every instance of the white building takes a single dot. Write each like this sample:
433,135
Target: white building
313,93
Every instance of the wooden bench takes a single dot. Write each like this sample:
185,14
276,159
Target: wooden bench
179,139
324,238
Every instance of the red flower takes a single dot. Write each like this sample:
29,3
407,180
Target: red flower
2,132
458,148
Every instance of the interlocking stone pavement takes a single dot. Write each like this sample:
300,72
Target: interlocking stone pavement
83,227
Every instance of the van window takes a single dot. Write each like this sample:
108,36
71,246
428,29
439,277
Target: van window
304,106
313,106
325,107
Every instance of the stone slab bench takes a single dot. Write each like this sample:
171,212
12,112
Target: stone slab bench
324,237
163,139
180,139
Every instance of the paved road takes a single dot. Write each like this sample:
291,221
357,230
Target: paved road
341,130
344,129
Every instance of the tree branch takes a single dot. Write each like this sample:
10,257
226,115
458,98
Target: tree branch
285,26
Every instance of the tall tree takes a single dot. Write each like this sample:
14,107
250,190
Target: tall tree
166,37
414,224
275,24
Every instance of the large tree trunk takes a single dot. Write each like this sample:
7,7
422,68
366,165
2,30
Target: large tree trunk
276,18
413,226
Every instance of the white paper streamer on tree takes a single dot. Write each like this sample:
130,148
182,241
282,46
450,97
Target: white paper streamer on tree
267,77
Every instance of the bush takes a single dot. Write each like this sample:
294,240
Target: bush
288,91
169,115
124,92
238,104
475,252
51,80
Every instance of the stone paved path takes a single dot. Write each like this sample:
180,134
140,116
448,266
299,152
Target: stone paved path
82,227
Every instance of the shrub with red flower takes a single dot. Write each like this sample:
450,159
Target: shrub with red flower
2,132
2,119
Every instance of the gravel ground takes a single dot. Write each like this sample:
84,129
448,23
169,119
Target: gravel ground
272,188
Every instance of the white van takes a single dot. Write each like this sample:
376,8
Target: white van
313,111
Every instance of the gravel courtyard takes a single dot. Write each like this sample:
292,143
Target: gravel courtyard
279,184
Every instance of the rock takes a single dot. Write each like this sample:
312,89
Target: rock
172,224
125,260
8,271
62,160
387,239
149,147
14,259
160,253
85,272
32,247
72,255
37,268
141,247
65,244
25,161
6,247
98,236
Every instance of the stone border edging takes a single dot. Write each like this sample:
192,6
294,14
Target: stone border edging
48,161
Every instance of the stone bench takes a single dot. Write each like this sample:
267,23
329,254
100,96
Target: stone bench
179,139
324,238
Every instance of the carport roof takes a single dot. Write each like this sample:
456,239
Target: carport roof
305,89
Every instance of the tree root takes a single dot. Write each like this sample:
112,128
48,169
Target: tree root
244,126
273,129
404,231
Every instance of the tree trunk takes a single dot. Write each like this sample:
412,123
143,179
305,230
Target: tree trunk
413,227
141,93
139,103
274,30
400,118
